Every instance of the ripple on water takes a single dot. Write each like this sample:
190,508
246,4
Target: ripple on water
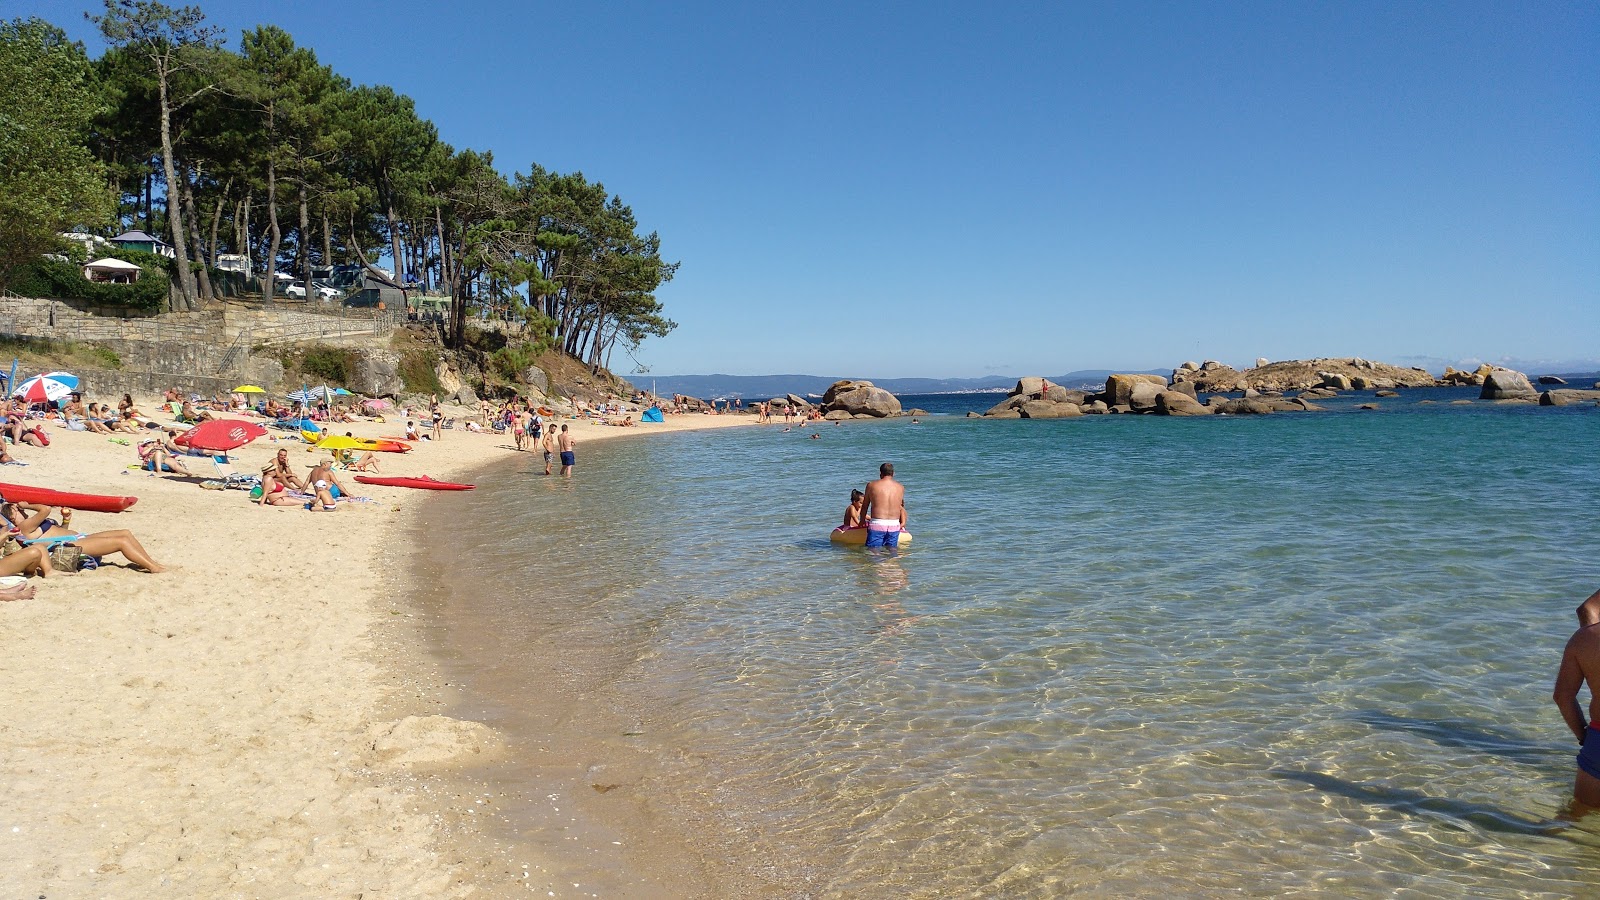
1283,655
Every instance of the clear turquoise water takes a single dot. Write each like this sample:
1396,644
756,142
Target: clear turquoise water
1124,656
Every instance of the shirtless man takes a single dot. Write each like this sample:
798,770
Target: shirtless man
280,465
569,454
885,509
1580,663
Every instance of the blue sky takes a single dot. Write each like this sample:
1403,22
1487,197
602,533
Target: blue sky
930,189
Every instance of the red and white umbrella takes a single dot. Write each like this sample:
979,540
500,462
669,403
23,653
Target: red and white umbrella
46,388
220,435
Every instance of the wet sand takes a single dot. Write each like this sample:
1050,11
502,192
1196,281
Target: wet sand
264,720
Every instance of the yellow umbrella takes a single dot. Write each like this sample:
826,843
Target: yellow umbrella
340,442
248,389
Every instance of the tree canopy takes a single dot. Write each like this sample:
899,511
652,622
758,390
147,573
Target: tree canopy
50,182
261,150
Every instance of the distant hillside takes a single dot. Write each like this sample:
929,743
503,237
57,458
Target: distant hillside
764,386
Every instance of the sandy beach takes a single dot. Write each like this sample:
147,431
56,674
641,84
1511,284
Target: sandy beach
252,723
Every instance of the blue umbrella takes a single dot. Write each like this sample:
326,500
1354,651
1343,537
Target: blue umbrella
65,378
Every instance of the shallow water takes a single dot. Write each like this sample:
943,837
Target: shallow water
1286,654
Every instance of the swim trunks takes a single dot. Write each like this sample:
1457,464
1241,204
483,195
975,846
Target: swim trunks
1589,756
883,532
568,457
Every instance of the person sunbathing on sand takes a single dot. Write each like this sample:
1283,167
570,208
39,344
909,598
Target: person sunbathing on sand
274,491
26,561
37,524
158,455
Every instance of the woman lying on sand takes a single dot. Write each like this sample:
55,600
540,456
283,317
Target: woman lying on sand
33,522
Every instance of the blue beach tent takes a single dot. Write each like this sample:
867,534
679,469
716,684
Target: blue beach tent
653,414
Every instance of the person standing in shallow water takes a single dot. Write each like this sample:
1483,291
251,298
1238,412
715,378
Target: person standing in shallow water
1580,663
569,455
884,509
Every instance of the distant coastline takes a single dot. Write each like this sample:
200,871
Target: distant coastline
762,387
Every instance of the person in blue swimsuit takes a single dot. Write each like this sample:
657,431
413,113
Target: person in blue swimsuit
1580,664
884,509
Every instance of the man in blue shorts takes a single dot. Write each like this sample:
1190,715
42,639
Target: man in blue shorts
1580,663
569,454
884,509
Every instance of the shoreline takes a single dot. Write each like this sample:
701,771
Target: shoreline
575,803
259,719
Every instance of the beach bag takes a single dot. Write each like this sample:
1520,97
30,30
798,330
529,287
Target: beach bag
66,557
10,545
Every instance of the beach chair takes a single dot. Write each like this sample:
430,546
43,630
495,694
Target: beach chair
230,478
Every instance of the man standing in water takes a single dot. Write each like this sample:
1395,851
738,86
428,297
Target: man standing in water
549,445
568,454
1580,663
884,509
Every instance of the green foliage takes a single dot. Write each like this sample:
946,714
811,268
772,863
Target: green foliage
513,359
327,364
64,281
49,181
419,363
419,372
54,354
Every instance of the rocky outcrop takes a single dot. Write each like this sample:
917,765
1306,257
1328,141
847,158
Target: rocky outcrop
1455,378
1119,388
1208,377
1568,396
860,398
1048,409
1551,379
1352,373
1142,396
1505,384
377,374
1178,403
533,376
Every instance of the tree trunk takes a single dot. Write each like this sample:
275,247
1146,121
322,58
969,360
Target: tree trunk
149,202
273,229
327,237
394,242
446,275
241,227
216,219
180,243
305,251
206,292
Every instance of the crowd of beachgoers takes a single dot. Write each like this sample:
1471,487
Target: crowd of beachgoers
41,540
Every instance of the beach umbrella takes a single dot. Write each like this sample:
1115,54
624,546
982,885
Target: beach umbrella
248,389
341,392
43,388
220,435
66,378
377,403
302,396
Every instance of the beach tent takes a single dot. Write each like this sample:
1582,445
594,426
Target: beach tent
111,271
653,414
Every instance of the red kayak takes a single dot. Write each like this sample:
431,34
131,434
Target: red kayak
420,481
21,493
